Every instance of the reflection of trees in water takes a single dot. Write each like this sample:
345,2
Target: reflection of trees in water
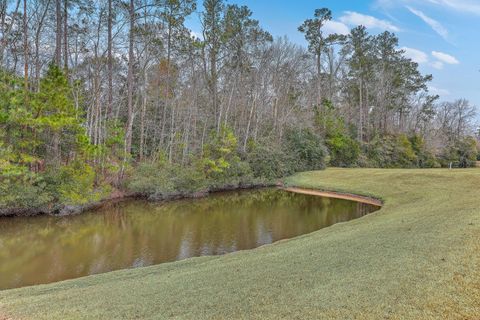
138,233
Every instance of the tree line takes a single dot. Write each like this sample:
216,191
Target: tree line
121,94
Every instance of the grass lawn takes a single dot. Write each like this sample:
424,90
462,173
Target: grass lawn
416,258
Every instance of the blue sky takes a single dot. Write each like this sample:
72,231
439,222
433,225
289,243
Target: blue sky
441,35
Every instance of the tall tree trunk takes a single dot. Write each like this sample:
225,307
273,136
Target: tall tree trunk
142,125
319,80
167,93
56,148
65,35
320,105
172,135
110,61
214,85
58,33
37,45
249,122
360,111
3,13
128,135
7,28
25,44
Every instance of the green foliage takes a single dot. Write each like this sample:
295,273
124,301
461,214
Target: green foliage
220,166
399,151
20,188
317,39
188,179
301,150
74,184
269,161
238,173
425,158
112,152
461,154
43,130
54,116
220,152
150,179
344,151
404,154
165,178
221,161
306,148
388,152
43,124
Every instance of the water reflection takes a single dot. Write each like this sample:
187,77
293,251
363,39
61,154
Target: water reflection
136,233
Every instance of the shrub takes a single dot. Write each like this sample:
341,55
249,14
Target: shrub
237,173
221,161
74,184
306,148
187,178
220,152
403,155
462,153
344,151
150,179
164,178
391,151
425,158
269,162
22,189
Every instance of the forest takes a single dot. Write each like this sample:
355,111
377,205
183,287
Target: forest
115,96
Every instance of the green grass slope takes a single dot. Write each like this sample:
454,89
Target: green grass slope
416,258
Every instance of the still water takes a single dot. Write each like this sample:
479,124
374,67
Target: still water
134,234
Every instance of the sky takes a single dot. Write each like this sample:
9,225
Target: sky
441,35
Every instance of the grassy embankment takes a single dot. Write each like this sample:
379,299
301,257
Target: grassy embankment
416,258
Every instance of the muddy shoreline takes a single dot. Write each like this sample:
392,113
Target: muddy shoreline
336,195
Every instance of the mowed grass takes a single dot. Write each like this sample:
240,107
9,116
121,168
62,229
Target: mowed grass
416,258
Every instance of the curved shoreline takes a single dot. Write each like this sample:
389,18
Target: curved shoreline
336,195
123,196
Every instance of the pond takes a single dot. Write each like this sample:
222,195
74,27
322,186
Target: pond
130,234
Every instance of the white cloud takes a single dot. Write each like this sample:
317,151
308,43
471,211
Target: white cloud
332,26
434,24
416,55
437,59
439,91
437,65
445,58
355,19
469,6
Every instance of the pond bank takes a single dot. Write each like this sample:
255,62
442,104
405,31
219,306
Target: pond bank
118,196
336,195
